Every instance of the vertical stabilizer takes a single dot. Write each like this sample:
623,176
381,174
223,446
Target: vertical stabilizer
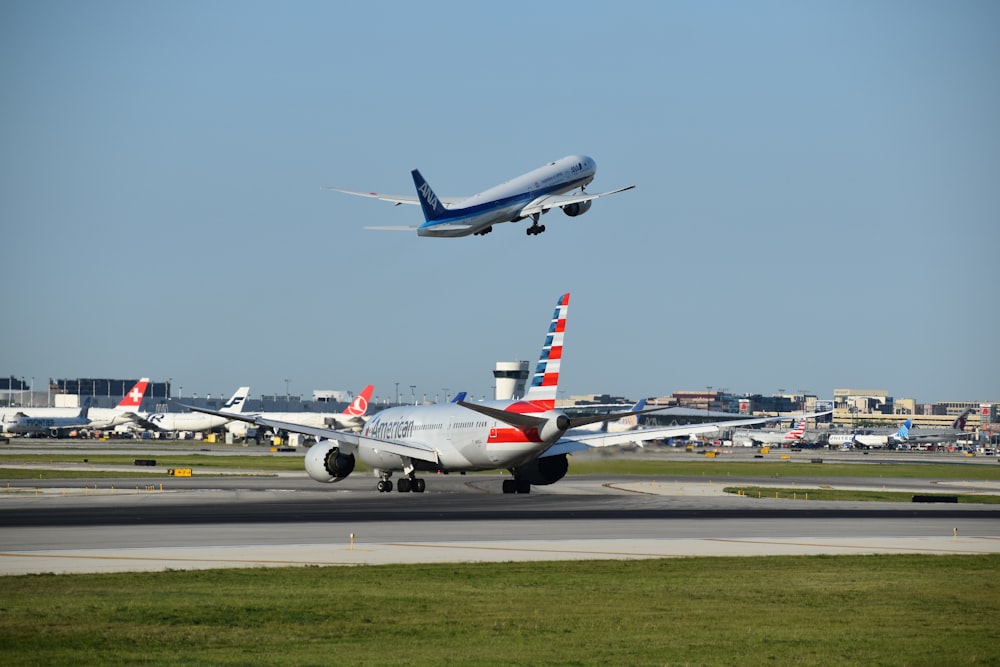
431,205
133,399
545,381
235,404
904,431
359,406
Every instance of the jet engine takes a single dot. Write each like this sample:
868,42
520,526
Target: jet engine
547,470
577,208
554,428
326,463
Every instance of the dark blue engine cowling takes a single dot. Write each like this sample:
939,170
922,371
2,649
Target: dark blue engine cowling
548,470
579,208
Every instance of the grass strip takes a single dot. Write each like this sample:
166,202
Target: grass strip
850,494
806,610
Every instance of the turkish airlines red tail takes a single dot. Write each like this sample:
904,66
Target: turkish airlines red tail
133,399
359,406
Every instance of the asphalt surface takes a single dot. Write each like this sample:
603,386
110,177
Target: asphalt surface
132,523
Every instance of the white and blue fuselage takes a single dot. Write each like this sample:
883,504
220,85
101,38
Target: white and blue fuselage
507,202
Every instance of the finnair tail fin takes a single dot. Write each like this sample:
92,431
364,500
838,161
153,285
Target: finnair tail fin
235,404
133,399
545,382
359,406
429,202
904,431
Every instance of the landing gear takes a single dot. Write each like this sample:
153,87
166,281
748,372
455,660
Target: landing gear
535,227
414,484
516,486
484,232
384,486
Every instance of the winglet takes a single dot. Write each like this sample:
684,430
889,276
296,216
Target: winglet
429,202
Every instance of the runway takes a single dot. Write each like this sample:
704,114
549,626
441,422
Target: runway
133,524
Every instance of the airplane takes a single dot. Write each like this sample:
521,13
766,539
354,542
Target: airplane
758,438
526,436
100,418
22,424
526,196
628,423
352,418
931,435
188,421
867,440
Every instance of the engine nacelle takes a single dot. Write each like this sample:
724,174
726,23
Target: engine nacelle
326,463
554,428
578,208
548,470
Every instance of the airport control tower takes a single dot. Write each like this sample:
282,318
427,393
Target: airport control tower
511,377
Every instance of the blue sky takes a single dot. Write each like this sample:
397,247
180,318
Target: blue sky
818,190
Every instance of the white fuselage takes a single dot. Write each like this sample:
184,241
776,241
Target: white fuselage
100,418
503,203
185,421
464,440
334,420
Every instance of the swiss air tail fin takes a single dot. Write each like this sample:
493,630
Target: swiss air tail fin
545,381
359,406
429,202
133,399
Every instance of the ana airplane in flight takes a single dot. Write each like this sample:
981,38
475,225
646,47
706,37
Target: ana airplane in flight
528,436
527,196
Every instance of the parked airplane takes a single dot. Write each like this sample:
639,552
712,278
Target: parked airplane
352,418
527,196
908,434
194,421
865,440
100,418
22,424
630,422
528,436
759,438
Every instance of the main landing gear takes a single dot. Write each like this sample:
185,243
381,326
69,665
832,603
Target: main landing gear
535,227
516,486
405,485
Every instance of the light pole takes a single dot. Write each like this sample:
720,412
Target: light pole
31,395
413,393
445,394
397,393
286,393
708,400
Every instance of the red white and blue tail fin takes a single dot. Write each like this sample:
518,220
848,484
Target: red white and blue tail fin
359,406
133,399
545,381
796,433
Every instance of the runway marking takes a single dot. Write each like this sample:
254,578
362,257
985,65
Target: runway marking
177,559
479,547
880,547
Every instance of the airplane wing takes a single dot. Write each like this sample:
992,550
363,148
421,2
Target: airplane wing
412,450
543,204
582,441
396,199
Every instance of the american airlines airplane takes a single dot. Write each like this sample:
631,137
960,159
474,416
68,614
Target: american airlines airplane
758,438
527,196
527,436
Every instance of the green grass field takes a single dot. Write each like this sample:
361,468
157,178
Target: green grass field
818,610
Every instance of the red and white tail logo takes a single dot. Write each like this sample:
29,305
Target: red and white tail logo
359,406
133,399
